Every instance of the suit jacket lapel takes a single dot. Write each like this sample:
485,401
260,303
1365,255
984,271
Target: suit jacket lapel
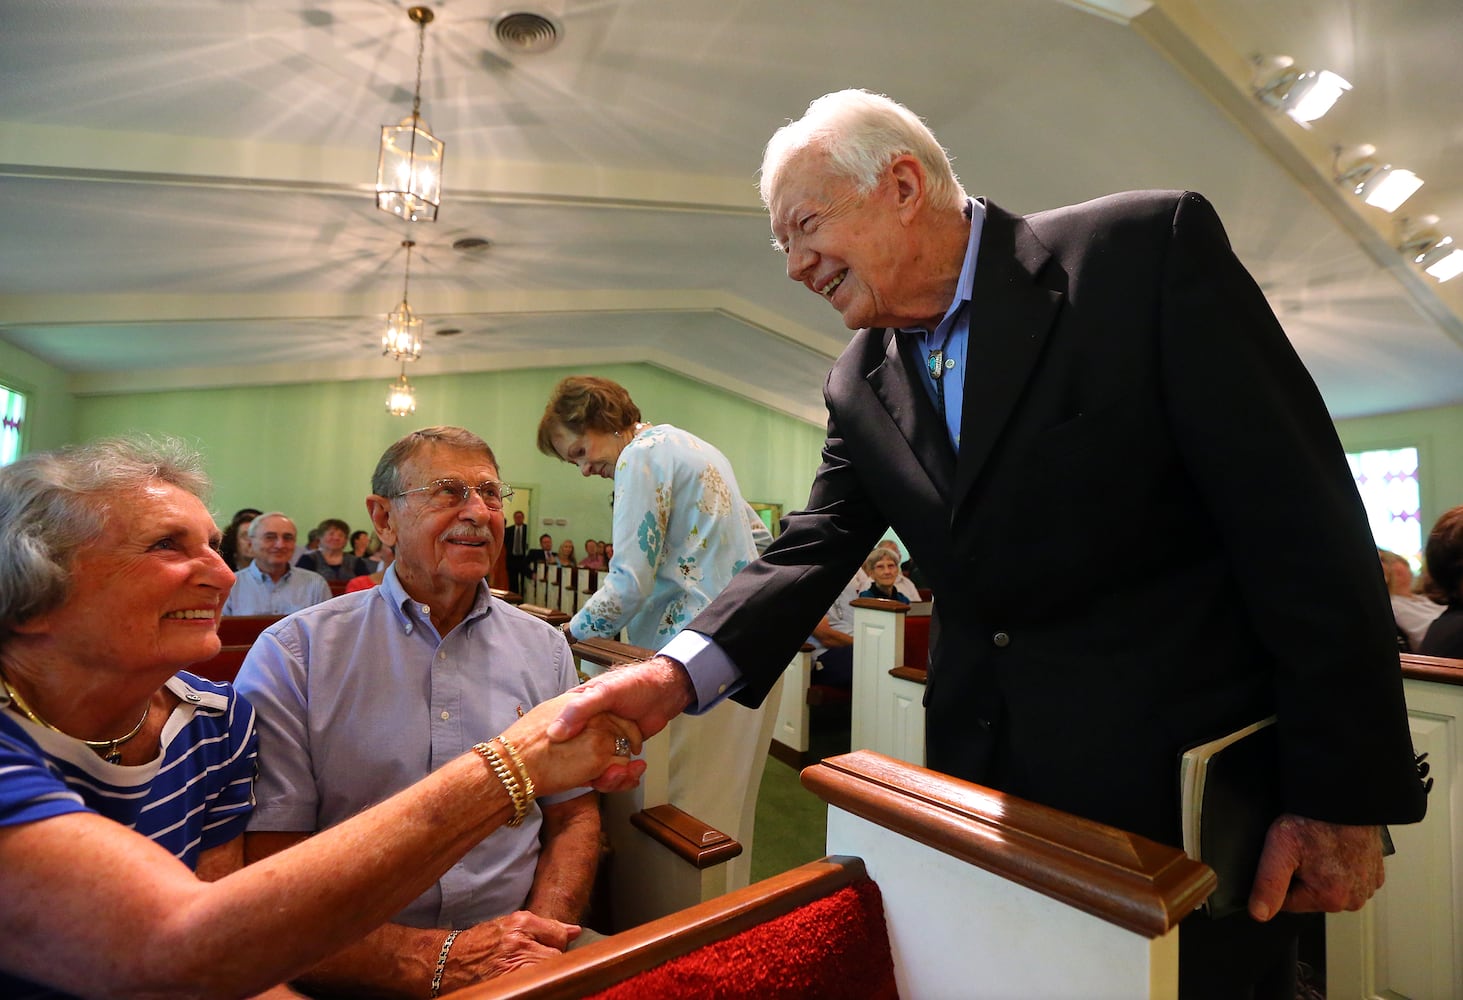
1009,320
904,397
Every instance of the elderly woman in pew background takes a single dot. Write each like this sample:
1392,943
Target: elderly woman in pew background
125,782
681,530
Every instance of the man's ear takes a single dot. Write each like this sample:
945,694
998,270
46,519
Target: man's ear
381,518
909,185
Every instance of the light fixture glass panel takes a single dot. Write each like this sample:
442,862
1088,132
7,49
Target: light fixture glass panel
1389,187
409,171
403,398
1313,94
403,337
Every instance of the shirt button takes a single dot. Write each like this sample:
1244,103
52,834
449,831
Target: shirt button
446,716
721,690
441,654
1001,639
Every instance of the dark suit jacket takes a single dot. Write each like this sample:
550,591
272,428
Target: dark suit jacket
1150,535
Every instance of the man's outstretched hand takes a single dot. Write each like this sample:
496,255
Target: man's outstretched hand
649,693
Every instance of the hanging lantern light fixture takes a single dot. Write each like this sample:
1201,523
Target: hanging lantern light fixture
409,172
403,396
402,340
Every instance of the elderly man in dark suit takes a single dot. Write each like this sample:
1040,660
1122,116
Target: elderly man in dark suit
1025,400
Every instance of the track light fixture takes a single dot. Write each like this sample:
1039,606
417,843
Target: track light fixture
1303,95
1381,185
409,170
1435,253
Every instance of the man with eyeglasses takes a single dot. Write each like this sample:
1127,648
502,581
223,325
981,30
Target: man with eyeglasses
364,695
272,584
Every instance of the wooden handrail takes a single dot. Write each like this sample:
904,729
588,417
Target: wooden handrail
1439,669
600,965
1131,881
880,604
609,653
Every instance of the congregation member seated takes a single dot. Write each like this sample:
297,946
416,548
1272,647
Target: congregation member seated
235,547
122,811
566,554
1444,582
832,641
882,569
902,583
331,560
361,544
592,558
363,695
544,553
385,556
270,585
1414,612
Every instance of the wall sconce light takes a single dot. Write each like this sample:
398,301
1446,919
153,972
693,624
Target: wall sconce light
403,337
1435,253
1381,185
409,171
403,397
1304,96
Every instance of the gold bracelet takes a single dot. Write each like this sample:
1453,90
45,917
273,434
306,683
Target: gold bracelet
509,780
442,963
528,789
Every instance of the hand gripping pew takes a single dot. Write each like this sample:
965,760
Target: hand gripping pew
934,888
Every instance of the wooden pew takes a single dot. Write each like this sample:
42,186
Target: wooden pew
888,688
983,894
1408,941
237,634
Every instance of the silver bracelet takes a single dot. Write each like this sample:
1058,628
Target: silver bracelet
442,962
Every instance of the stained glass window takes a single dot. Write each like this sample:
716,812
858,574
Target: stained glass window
1387,481
12,423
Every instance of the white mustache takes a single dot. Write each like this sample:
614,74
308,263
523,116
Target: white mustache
482,534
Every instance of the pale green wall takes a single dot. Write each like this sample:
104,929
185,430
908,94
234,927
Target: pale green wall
309,449
1436,433
50,407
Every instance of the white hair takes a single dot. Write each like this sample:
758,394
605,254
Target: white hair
861,133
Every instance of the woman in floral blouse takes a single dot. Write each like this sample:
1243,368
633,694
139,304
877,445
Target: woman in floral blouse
681,531
680,526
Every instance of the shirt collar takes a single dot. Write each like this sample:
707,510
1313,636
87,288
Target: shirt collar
264,577
412,614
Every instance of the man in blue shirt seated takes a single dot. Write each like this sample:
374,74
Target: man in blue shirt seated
271,584
368,693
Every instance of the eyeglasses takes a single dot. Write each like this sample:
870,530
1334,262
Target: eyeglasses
447,494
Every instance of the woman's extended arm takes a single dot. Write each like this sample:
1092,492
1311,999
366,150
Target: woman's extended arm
92,908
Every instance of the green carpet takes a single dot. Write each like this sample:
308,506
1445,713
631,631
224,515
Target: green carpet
791,821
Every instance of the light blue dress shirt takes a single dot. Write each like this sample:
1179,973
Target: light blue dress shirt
360,697
255,593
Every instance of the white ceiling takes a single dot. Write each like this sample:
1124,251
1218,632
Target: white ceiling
185,186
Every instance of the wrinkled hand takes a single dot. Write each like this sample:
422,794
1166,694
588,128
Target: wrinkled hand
650,693
562,764
1309,865
502,945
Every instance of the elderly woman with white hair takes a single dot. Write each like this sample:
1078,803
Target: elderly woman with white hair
125,781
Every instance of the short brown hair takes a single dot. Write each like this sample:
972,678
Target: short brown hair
585,402
1444,554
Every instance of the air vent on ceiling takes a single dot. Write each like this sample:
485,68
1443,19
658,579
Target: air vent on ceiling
449,331
527,32
469,244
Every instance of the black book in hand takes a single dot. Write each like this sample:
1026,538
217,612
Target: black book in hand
1230,793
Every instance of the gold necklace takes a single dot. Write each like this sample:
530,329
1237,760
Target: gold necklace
107,748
